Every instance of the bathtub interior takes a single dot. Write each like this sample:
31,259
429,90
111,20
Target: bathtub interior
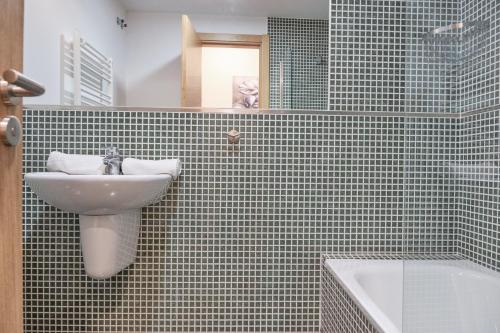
385,288
422,295
450,296
376,286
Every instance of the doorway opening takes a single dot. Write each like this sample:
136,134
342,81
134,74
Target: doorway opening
230,77
224,70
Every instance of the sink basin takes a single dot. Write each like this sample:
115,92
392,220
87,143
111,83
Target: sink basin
109,211
97,194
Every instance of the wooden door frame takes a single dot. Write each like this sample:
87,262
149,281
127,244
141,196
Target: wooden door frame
11,274
190,65
247,41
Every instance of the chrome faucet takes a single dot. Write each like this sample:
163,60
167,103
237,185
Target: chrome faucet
112,161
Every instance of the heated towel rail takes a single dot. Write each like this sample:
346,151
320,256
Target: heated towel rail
86,74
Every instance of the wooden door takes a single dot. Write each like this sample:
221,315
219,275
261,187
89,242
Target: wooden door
11,280
191,65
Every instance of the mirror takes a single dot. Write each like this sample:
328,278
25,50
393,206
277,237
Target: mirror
169,53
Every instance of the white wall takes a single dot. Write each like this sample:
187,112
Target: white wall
153,59
46,20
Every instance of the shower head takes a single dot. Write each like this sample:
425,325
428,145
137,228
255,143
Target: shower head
476,27
443,43
448,28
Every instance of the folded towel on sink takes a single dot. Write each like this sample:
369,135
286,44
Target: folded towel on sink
73,164
132,166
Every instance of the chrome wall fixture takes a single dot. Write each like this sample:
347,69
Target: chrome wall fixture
121,22
233,137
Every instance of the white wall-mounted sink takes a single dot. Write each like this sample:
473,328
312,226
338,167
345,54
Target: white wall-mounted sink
97,194
109,209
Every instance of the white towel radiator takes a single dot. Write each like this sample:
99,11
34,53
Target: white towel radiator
86,74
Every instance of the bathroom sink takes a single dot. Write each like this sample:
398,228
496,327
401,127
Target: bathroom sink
97,194
109,209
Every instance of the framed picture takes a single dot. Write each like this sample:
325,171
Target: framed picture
245,92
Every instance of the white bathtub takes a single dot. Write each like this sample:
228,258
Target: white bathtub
436,295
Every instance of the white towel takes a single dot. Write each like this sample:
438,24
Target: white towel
132,166
75,164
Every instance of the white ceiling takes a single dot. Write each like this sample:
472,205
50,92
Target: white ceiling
254,8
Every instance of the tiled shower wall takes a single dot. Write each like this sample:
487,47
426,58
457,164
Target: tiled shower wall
479,60
301,46
381,61
367,59
383,57
235,246
430,194
478,173
431,65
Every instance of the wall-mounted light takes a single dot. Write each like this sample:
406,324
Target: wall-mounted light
121,22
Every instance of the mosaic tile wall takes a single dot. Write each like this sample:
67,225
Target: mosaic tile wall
386,60
236,244
480,44
301,45
381,61
339,313
477,172
431,61
367,55
430,194
478,175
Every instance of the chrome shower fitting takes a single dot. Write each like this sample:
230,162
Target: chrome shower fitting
451,27
443,33
445,43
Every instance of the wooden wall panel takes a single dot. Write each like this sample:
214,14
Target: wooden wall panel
191,65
